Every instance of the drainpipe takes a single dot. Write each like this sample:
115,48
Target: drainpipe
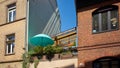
26,26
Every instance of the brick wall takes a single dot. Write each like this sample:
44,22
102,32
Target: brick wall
93,46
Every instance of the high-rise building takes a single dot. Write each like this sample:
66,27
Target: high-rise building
19,21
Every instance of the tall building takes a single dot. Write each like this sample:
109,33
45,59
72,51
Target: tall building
43,17
19,21
98,33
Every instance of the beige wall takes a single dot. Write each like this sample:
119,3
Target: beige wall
2,0
57,63
19,29
11,65
20,9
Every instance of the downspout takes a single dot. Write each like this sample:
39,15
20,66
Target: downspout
26,26
76,25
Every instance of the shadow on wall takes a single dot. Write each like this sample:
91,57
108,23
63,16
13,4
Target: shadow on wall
68,66
113,59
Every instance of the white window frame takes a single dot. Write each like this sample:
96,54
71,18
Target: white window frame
11,10
12,44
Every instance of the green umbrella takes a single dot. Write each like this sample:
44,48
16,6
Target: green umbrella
41,40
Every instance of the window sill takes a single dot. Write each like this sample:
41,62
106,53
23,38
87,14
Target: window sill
12,21
105,31
9,54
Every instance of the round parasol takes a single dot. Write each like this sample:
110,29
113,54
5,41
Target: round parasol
41,40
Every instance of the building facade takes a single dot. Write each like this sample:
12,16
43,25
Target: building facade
44,13
12,35
14,23
66,38
98,33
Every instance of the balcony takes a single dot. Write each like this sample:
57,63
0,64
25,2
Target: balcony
52,55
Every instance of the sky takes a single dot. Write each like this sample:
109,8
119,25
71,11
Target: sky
67,14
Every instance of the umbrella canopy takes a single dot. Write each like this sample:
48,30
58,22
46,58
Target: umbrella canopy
41,40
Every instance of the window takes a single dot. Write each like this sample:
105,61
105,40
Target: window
107,62
105,19
10,43
11,12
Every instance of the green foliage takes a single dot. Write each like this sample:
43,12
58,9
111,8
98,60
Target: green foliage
31,52
52,50
58,49
36,62
38,50
26,59
66,52
49,50
74,44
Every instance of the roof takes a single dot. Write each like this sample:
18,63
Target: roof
85,3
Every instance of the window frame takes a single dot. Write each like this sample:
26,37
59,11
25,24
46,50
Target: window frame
10,9
12,50
106,9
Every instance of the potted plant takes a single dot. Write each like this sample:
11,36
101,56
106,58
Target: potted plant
38,52
49,52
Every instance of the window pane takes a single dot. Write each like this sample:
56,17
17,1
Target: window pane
97,65
10,43
10,37
114,19
10,16
11,12
105,64
104,21
115,64
14,14
95,23
12,47
9,48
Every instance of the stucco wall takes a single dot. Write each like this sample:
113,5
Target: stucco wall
19,29
65,63
20,9
11,65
